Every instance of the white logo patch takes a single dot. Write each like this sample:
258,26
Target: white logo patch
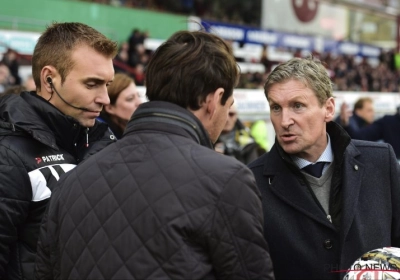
42,177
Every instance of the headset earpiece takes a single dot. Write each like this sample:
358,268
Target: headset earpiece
49,80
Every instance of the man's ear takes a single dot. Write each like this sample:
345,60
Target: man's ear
214,101
47,72
330,109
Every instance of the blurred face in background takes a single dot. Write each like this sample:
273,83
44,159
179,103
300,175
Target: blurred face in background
4,74
367,112
232,118
125,105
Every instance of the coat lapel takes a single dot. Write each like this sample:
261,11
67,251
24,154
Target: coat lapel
351,184
291,189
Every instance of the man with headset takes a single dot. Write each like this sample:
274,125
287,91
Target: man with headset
46,133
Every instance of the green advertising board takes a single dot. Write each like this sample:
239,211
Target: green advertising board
115,22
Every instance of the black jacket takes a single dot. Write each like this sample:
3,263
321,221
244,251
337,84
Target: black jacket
355,121
158,204
37,145
386,128
364,205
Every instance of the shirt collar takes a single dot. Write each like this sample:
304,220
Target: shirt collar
327,156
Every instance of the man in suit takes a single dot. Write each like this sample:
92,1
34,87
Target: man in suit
386,128
363,114
318,222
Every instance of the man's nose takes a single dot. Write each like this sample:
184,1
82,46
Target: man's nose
287,119
103,97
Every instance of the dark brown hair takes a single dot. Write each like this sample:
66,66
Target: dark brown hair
56,44
188,67
121,81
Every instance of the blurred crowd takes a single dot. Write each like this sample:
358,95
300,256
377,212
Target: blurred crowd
233,11
348,73
132,57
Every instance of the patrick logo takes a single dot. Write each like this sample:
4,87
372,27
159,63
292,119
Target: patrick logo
50,158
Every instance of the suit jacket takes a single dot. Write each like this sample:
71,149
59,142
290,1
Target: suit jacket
355,121
365,202
386,128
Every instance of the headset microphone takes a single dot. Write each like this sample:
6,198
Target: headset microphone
50,81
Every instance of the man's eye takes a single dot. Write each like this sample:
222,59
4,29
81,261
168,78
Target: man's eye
298,105
274,108
90,85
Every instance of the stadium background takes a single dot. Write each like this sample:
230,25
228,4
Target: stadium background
263,33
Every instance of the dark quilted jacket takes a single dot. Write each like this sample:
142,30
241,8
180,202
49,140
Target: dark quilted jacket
158,204
38,144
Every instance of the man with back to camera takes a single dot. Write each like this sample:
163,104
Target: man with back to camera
46,133
161,203
327,199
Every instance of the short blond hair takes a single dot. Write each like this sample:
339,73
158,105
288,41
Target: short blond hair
310,71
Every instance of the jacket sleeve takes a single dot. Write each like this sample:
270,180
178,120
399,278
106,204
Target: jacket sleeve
43,269
395,183
47,246
15,198
372,132
236,242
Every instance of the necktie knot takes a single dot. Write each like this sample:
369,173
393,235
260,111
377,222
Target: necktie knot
315,169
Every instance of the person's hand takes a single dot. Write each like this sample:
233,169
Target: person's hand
219,147
345,114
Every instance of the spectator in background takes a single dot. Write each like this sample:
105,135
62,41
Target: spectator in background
11,60
136,38
4,77
327,199
123,54
124,100
29,84
386,128
160,203
264,60
363,113
259,132
139,75
236,141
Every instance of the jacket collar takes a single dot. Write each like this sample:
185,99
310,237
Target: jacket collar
292,192
168,117
31,114
339,141
360,121
116,130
